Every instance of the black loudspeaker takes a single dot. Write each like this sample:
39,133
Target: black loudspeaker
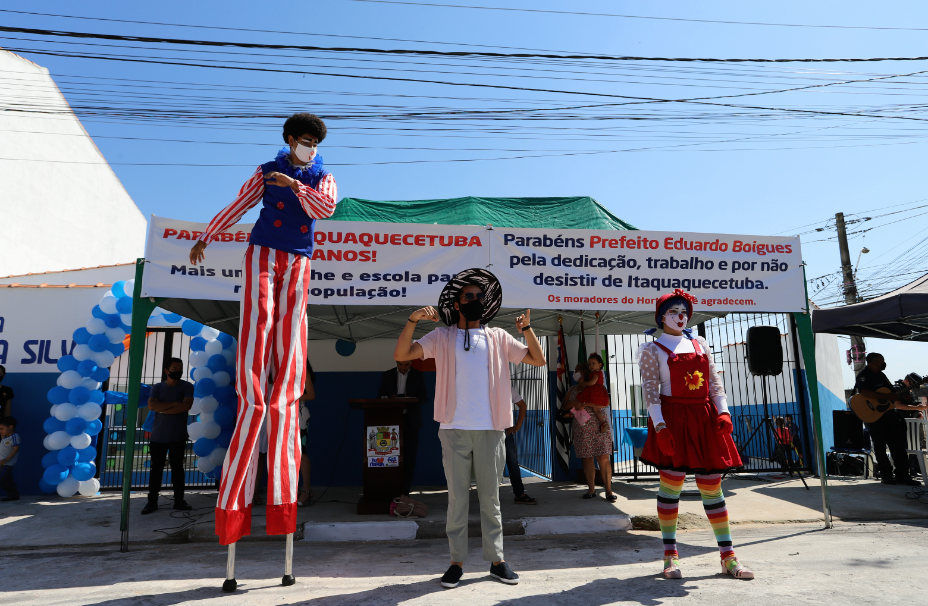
765,350
849,430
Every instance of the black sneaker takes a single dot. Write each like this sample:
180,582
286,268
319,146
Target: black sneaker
907,482
452,577
888,481
9,498
150,507
504,573
182,506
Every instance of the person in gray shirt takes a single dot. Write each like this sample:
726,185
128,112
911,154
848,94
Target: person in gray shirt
170,400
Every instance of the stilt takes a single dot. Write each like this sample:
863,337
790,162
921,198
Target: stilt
288,564
230,585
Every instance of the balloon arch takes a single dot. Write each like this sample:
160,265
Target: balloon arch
77,400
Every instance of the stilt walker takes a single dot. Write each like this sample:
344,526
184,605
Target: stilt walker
295,191
689,428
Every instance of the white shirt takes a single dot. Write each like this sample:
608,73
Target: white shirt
472,383
516,397
401,382
678,344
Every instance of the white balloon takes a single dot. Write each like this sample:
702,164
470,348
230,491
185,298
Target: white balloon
202,373
70,379
115,335
195,407
213,347
82,352
90,487
81,441
221,378
129,288
209,404
209,333
205,464
91,384
126,319
65,412
108,303
195,431
218,456
104,359
96,326
59,440
211,430
51,412
45,443
68,487
198,359
229,355
206,417
89,411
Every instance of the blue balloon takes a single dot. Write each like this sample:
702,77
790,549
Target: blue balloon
66,363
125,328
100,374
81,336
203,447
58,394
97,397
79,395
83,471
224,416
96,312
75,426
224,438
215,474
224,394
98,343
50,458
171,318
226,340
112,320
117,349
46,487
87,455
191,328
93,427
67,456
86,368
204,387
118,289
124,305
216,363
55,474
197,344
51,425
231,371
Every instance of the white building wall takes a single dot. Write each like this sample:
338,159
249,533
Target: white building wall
63,207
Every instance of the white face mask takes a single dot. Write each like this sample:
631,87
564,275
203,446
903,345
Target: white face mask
578,376
304,153
676,318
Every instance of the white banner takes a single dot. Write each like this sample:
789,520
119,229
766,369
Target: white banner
365,263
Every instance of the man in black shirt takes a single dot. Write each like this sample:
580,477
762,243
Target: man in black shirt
6,396
888,430
170,400
406,381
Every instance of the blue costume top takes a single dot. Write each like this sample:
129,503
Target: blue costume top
283,224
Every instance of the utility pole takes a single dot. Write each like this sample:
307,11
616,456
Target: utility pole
850,289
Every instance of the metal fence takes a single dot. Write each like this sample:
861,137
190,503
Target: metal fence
533,440
160,346
746,393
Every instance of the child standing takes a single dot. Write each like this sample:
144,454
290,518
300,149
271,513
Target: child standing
594,392
9,452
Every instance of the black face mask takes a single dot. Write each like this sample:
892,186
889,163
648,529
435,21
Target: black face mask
883,366
175,374
472,310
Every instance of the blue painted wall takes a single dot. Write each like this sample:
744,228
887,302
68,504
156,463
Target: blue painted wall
30,409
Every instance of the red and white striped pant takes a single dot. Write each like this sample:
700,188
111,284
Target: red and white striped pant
272,334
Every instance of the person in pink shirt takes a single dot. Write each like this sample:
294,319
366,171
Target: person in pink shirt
472,404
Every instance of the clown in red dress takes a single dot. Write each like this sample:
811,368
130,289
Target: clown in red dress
689,427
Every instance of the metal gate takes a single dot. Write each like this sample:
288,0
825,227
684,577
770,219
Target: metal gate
161,345
726,338
533,441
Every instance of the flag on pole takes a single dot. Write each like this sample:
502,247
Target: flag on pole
562,441
582,352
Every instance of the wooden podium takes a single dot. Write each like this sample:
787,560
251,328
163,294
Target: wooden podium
382,449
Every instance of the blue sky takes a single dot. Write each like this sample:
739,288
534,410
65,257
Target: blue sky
699,168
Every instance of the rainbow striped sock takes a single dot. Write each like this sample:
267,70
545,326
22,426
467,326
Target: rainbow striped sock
668,507
713,501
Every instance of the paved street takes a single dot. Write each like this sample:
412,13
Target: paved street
796,563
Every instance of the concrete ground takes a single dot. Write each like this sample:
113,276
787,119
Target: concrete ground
854,563
54,521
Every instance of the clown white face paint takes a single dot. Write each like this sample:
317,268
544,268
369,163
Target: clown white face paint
676,317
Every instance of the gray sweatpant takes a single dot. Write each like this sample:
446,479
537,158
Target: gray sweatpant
482,452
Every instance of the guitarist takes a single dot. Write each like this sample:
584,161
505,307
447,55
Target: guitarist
889,429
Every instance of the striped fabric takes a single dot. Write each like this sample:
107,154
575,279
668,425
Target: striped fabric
668,507
713,501
272,334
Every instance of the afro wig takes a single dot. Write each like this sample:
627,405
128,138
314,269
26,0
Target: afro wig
298,125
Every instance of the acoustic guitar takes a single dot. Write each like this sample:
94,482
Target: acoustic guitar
870,411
